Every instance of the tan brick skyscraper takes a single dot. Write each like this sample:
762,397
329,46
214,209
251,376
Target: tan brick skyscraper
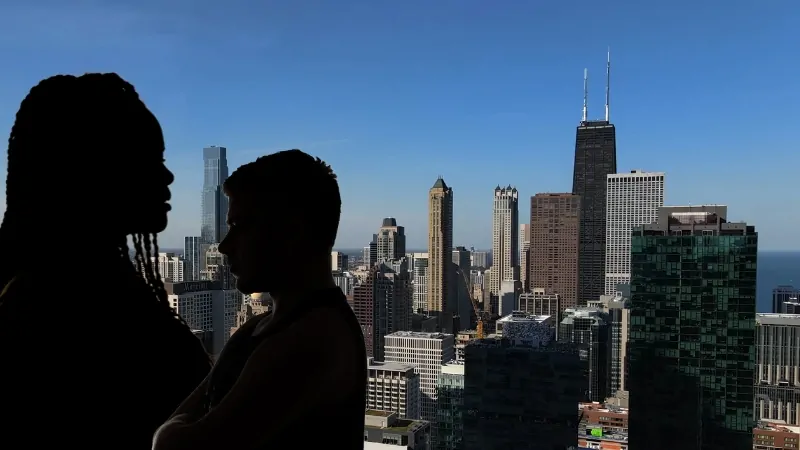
555,239
440,248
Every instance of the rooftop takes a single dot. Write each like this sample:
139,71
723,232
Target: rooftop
607,436
418,335
439,184
391,366
453,368
777,426
388,421
634,173
777,319
501,342
521,316
596,406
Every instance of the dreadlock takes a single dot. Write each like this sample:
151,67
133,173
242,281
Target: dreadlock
47,111
145,247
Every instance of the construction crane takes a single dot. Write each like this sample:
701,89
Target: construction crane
481,316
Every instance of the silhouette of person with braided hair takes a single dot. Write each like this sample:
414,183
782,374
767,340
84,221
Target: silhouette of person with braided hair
91,353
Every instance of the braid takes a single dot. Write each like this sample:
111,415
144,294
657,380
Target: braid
152,275
137,255
158,283
146,250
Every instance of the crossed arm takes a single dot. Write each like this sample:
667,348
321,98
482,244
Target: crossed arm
272,390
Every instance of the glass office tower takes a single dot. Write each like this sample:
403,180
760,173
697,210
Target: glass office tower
692,338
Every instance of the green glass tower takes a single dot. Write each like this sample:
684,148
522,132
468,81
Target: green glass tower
449,428
692,336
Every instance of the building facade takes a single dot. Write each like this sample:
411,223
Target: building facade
214,205
595,159
391,240
440,251
427,352
781,295
519,397
448,433
693,309
555,245
393,387
631,199
777,396
204,305
505,238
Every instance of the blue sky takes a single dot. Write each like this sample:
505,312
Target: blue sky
394,93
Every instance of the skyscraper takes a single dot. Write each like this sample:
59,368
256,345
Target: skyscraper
449,433
440,250
524,256
777,368
370,254
383,305
632,199
555,233
339,262
462,258
214,202
391,241
419,273
783,294
194,252
505,238
595,159
692,338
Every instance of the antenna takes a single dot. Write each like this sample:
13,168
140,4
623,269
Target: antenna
585,92
608,81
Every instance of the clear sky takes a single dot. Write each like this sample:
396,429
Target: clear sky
394,93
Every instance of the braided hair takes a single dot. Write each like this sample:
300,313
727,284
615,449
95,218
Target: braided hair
46,119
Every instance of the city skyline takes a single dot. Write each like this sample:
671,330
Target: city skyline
383,85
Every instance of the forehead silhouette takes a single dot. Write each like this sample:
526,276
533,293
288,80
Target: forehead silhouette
75,132
73,119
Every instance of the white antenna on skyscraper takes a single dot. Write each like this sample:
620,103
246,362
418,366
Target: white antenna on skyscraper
585,92
608,81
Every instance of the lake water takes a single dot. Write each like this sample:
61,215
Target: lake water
775,268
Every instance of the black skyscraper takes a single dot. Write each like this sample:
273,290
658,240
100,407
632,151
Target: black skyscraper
595,157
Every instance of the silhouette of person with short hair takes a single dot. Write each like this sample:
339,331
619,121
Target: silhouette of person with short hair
93,355
302,366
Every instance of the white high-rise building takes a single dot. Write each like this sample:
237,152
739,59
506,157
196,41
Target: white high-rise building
204,305
479,258
525,243
391,240
173,268
505,238
338,262
427,352
346,282
777,378
393,387
632,199
418,266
